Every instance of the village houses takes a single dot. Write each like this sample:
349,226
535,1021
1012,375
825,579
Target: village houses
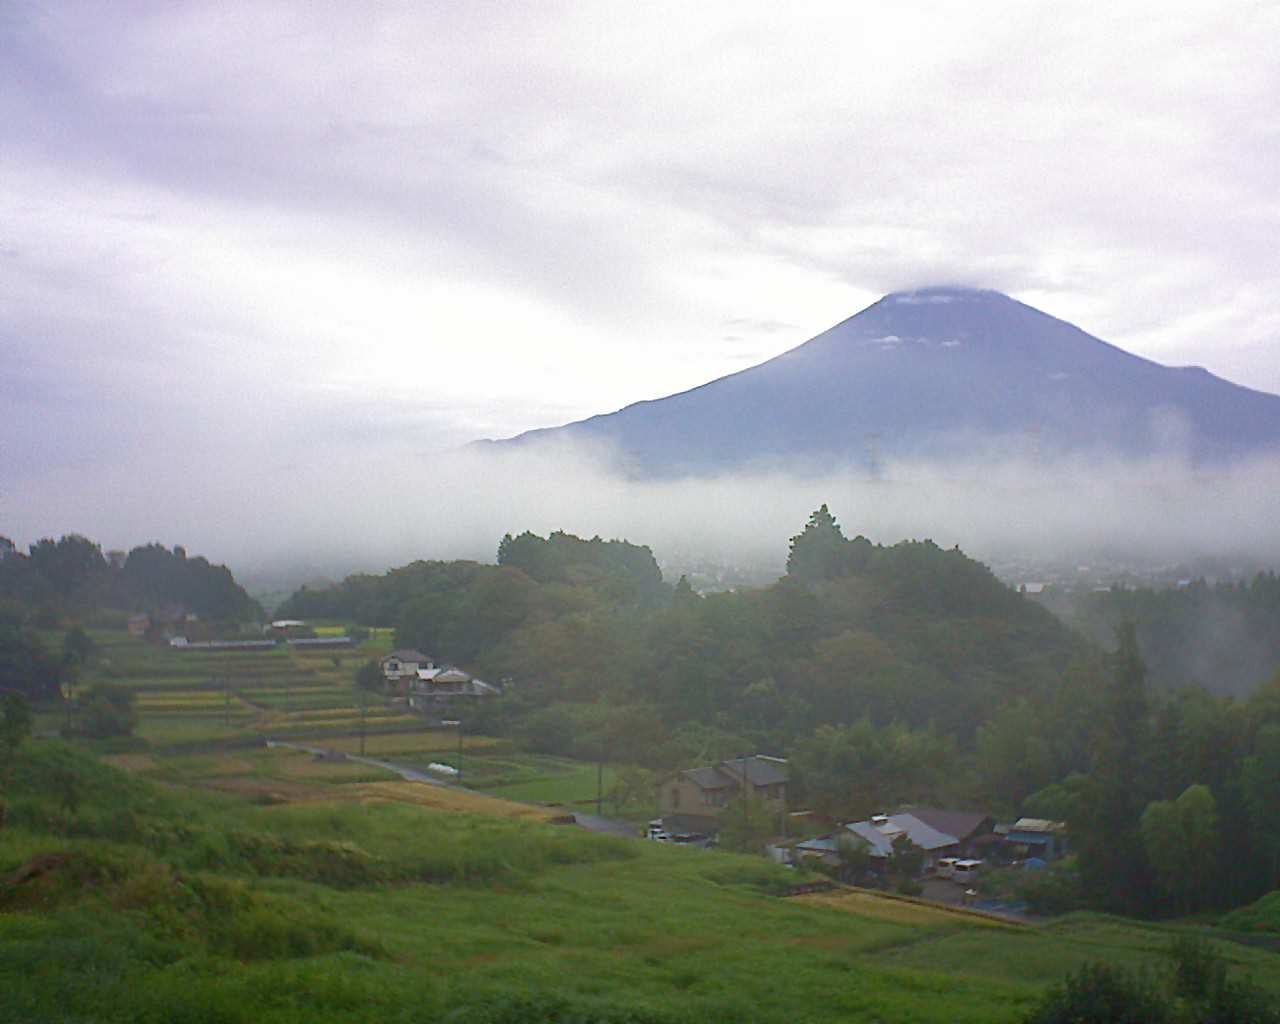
426,687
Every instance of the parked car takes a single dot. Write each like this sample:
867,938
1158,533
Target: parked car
966,871
656,832
946,867
691,839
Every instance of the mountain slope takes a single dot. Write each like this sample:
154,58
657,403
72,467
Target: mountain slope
939,371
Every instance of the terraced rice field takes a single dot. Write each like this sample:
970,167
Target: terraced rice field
190,698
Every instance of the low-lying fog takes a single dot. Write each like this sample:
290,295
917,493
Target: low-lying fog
342,510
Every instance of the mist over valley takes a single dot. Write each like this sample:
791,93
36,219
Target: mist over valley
639,514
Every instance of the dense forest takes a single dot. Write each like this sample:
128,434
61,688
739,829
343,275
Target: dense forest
908,634
72,578
887,674
71,581
1223,636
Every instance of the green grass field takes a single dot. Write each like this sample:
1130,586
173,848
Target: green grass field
216,880
534,778
175,904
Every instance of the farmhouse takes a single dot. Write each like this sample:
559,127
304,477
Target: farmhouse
697,797
1035,837
938,833
433,687
974,831
403,664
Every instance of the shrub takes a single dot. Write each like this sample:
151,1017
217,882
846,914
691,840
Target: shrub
1102,994
1200,993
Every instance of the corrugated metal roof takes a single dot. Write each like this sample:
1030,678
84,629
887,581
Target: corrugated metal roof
881,837
1038,825
453,675
961,824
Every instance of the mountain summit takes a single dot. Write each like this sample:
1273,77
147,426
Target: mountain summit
938,372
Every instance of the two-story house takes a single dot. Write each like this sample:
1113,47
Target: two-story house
694,800
403,664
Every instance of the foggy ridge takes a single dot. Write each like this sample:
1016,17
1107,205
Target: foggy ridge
938,372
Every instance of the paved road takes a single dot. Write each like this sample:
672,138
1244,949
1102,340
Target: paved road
405,772
605,826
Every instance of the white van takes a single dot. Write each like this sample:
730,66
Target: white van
965,870
656,832
946,867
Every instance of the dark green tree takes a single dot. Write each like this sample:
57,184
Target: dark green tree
684,592
1112,856
854,856
369,677
1181,841
77,647
25,667
106,710
905,863
1260,786
69,564
15,726
819,552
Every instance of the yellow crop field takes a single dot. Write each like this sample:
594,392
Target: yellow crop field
300,765
318,713
428,741
884,907
444,798
302,720
181,697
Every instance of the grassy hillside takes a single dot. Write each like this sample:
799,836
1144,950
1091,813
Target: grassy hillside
124,900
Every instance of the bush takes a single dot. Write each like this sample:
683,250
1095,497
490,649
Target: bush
1056,889
106,710
1102,994
1199,992
543,1009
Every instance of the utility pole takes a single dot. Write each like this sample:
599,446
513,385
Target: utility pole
68,694
364,716
456,723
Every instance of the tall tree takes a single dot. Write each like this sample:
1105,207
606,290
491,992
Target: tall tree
1112,856
25,667
1181,841
15,726
819,552
1260,785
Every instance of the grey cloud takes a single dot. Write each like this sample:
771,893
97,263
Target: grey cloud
655,178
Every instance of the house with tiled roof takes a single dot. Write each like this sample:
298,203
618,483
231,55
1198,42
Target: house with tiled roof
699,796
434,688
403,664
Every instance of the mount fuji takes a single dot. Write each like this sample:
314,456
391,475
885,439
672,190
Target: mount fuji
937,373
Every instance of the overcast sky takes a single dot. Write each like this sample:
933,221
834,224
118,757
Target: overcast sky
236,239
